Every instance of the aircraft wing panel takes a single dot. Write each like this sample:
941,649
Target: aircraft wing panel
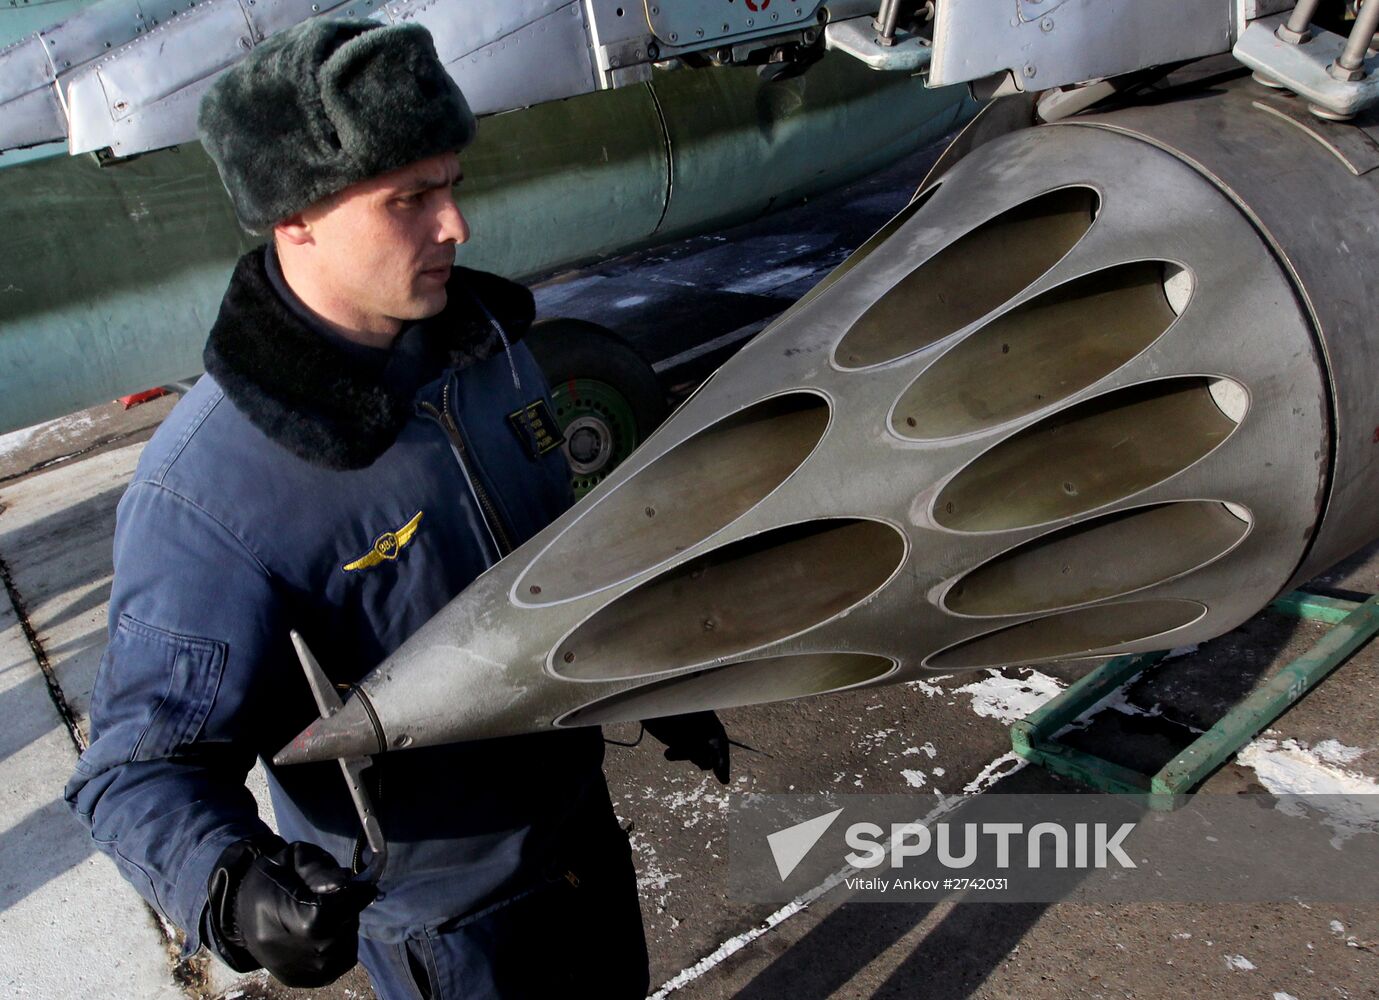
144,95
101,28
32,118
497,76
124,73
114,77
29,110
24,68
461,27
111,103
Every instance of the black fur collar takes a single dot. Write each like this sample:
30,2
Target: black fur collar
316,400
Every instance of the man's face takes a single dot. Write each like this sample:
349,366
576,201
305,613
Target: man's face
381,249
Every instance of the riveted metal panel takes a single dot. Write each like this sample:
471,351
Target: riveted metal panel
687,21
107,81
27,18
33,118
269,16
1050,43
467,24
102,27
24,68
179,53
499,75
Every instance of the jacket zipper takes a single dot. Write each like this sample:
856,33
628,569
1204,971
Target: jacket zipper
497,533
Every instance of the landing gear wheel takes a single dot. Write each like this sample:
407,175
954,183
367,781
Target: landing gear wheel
607,399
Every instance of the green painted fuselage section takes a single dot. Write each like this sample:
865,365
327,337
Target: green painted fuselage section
111,276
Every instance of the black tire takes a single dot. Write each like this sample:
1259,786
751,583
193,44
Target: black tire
627,404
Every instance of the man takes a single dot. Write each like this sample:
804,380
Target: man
345,468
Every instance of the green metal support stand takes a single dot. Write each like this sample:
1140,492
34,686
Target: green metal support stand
1034,738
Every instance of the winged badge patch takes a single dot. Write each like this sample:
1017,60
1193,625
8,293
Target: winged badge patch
387,546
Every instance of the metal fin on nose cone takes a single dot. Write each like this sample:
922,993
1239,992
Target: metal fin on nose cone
1118,446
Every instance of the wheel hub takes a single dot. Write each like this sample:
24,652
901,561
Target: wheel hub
599,428
590,443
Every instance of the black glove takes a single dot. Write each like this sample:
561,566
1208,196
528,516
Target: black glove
697,737
288,908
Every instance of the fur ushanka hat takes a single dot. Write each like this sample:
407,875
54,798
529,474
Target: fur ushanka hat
325,104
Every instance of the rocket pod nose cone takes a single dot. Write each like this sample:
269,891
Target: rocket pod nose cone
350,732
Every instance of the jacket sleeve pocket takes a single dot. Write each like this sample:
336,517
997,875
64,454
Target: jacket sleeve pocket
164,684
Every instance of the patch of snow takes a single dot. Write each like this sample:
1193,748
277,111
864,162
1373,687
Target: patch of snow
995,771
872,742
1337,927
1336,752
1122,704
1240,963
768,280
735,944
1008,699
551,296
1117,701
1345,798
925,687
700,800
915,779
649,872
60,431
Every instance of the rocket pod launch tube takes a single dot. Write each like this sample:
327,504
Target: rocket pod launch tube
1106,386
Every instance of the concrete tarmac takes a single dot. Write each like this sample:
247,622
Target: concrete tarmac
71,927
